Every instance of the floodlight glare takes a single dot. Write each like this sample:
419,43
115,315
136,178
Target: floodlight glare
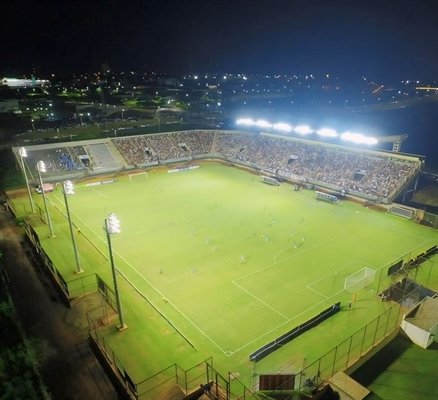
327,132
263,124
245,121
41,166
22,151
303,129
68,187
113,224
358,138
282,127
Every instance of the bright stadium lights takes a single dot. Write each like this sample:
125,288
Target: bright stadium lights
304,130
358,138
263,124
327,132
112,226
245,121
23,155
41,167
282,127
67,189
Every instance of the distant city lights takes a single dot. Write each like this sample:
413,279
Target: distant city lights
305,130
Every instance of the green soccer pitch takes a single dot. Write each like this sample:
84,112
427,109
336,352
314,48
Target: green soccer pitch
238,261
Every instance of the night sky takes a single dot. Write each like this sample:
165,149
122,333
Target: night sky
382,39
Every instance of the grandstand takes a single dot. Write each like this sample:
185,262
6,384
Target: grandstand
368,174
323,168
102,157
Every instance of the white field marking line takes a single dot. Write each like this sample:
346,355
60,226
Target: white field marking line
287,258
228,353
161,294
421,244
392,228
308,287
260,337
281,251
261,301
151,228
191,221
340,269
176,308
80,219
106,197
274,329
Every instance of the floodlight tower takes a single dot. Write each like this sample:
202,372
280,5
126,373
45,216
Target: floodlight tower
112,226
41,167
67,189
22,152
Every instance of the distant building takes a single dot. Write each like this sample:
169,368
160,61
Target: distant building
7,106
168,82
14,82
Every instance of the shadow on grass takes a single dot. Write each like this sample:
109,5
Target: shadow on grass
369,371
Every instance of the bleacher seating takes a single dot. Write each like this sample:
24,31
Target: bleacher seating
379,177
101,157
374,175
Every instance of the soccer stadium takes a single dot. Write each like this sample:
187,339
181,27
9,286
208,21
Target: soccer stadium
237,264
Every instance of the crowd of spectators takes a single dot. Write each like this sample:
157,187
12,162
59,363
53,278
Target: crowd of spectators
139,150
58,160
136,150
349,169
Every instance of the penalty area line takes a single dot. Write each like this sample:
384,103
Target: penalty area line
261,301
100,194
308,287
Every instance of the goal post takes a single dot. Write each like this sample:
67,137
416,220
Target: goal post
138,175
359,279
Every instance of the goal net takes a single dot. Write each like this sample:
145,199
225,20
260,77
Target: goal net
359,279
138,175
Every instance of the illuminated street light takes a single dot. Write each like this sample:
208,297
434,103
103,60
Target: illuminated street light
42,168
122,114
23,154
112,226
67,189
33,126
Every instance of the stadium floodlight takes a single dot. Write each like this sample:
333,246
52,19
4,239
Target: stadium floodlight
327,132
282,127
245,121
358,138
41,167
263,124
303,129
112,226
23,154
369,140
67,189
